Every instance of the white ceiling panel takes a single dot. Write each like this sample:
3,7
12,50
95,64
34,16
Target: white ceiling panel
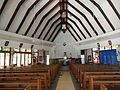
93,19
7,13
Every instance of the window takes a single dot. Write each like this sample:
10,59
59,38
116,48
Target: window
23,57
18,60
7,59
1,60
14,58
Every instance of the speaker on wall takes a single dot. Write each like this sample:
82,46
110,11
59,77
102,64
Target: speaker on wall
32,46
21,44
82,52
6,43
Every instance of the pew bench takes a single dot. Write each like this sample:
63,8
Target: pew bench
24,77
103,87
102,75
104,83
29,73
79,69
15,85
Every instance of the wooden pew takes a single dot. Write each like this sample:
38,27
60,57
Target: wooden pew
78,71
103,87
112,83
17,85
100,75
96,68
24,80
34,71
44,75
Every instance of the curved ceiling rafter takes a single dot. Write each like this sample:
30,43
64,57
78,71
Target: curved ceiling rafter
70,26
3,6
50,28
94,17
81,15
53,31
36,15
113,7
71,33
96,33
75,25
48,31
45,26
47,19
56,34
41,21
59,31
56,29
105,16
14,14
74,30
26,14
79,22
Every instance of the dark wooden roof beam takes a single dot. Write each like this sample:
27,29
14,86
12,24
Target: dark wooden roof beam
75,25
57,20
71,33
56,14
74,30
98,6
14,14
113,7
53,31
26,14
56,34
60,30
41,21
3,6
92,14
36,15
83,16
79,22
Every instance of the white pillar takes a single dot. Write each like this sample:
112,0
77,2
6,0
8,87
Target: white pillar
48,61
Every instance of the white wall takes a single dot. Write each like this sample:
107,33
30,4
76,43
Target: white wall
57,50
69,48
15,40
114,36
74,47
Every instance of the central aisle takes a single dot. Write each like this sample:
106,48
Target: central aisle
65,81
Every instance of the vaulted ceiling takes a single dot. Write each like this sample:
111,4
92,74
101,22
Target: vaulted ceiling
45,19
